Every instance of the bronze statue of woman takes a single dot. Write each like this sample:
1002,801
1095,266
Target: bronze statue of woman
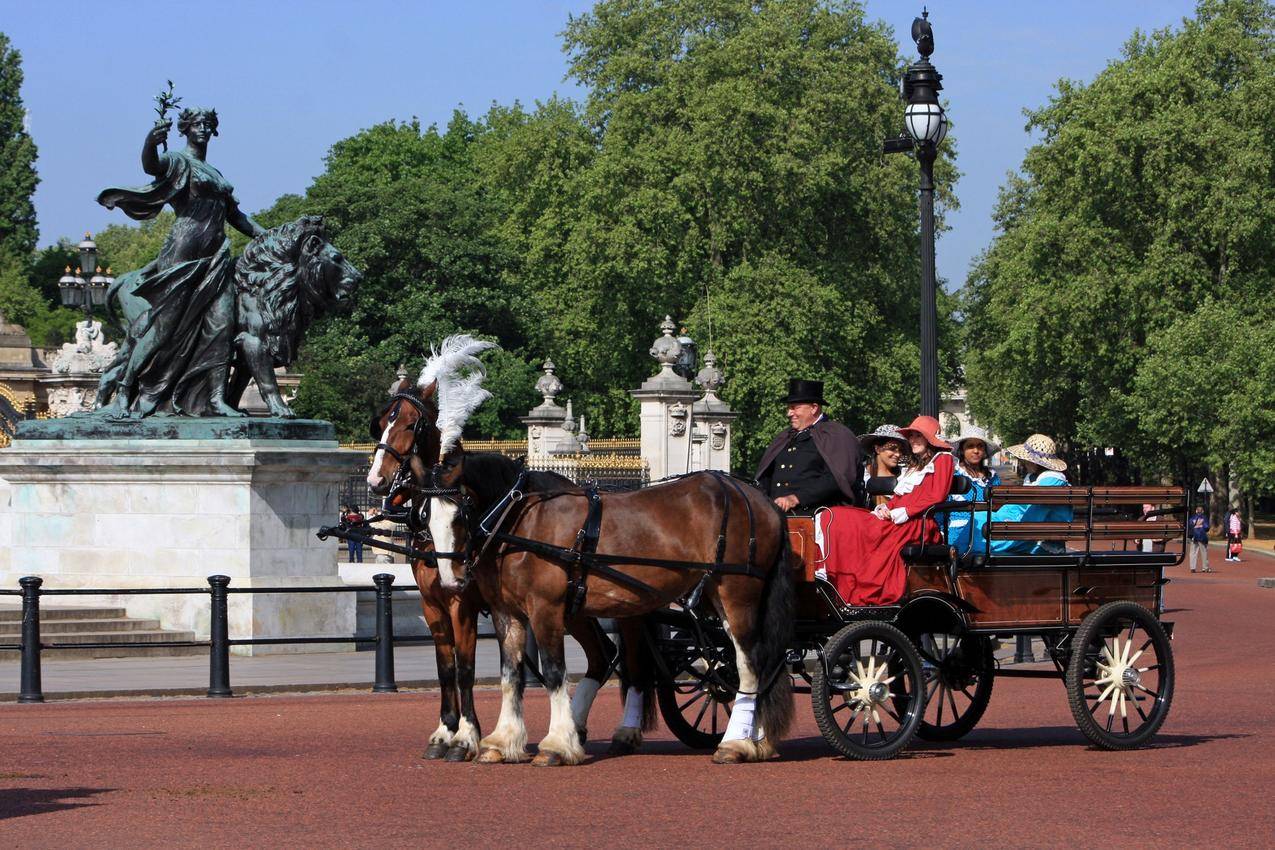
178,310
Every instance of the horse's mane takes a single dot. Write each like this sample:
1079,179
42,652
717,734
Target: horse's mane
491,475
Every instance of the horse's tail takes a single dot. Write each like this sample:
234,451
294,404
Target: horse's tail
774,637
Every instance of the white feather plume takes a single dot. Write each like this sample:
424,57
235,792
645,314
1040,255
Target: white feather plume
458,374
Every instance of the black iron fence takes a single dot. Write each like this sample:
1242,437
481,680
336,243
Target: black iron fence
219,640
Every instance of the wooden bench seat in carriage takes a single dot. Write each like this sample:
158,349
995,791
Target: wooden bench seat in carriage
1022,590
1096,566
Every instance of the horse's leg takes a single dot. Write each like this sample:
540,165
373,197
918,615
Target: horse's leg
589,635
638,681
508,741
562,743
464,616
440,626
744,741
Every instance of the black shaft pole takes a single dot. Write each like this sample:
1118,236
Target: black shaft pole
31,689
384,683
929,295
219,634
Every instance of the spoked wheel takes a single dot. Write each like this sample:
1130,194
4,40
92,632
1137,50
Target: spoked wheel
959,671
696,700
1120,676
868,695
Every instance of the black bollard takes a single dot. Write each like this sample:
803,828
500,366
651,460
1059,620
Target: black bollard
384,635
31,690
219,633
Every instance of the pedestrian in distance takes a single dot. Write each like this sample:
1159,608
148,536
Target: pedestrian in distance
1234,535
352,516
1198,539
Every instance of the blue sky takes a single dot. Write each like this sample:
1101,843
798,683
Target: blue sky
289,78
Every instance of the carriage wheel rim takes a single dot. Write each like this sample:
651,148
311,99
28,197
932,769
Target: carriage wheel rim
1118,679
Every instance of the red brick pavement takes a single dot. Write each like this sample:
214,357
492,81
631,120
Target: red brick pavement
336,771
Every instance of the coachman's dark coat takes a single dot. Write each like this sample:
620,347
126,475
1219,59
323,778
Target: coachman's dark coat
838,447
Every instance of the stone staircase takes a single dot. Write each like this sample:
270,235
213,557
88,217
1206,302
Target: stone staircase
92,625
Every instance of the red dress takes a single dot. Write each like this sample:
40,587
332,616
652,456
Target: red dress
862,552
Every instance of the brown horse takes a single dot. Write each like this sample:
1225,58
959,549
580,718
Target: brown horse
408,445
702,529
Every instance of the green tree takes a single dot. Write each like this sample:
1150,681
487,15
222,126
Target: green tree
18,177
728,152
1206,389
1150,192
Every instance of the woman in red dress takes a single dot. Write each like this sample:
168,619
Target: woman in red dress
862,549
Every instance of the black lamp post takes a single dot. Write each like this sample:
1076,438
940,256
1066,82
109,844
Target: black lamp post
926,125
88,288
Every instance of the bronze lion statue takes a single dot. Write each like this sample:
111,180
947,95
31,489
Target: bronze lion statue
284,280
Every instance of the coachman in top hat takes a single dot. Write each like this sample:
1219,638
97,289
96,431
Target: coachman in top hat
814,463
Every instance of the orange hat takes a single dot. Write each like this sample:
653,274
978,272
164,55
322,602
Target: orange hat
926,427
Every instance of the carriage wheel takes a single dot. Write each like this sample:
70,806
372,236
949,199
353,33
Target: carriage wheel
959,671
696,701
868,693
1120,676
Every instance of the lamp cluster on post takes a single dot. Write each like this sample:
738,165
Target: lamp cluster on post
88,288
926,124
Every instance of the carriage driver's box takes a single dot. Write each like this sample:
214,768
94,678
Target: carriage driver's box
169,501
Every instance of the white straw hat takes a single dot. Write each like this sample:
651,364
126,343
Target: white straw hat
973,432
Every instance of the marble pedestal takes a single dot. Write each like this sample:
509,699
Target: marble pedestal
169,502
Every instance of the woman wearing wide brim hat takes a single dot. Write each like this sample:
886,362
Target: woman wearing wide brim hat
1042,467
885,448
971,451
864,549
1039,453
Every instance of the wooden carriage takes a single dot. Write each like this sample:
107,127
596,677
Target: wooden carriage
926,665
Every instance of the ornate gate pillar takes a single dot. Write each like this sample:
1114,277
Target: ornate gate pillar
666,400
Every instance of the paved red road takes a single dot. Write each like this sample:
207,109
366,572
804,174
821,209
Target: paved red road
343,770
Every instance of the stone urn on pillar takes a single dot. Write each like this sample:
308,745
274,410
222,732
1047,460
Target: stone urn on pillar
544,421
713,419
666,414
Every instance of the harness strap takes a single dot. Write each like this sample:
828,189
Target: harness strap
752,524
594,560
586,545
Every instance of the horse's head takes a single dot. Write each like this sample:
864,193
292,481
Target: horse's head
407,437
464,493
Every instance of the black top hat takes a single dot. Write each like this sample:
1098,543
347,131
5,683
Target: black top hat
804,392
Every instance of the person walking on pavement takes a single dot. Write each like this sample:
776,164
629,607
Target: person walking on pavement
353,517
1198,539
1234,535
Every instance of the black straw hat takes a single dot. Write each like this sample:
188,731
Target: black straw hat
804,392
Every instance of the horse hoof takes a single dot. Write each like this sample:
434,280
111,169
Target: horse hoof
436,750
459,753
728,756
548,759
491,755
621,748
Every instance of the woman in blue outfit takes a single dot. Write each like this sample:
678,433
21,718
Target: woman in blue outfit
1042,467
973,449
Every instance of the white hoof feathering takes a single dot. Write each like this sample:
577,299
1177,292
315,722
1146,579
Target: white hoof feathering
442,735
562,738
748,749
466,736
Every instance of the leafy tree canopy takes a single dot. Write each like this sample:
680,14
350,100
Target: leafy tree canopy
18,178
1151,191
